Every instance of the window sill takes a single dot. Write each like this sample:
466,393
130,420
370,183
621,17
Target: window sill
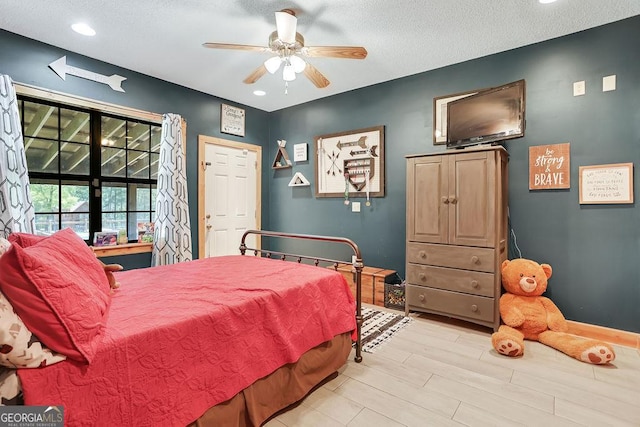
126,249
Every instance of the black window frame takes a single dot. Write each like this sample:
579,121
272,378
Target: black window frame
95,179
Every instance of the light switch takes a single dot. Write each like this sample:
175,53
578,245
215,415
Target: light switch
579,88
355,207
609,83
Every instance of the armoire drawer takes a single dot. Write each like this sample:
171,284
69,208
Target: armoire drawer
465,257
451,303
469,282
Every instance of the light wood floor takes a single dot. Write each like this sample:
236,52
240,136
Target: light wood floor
445,373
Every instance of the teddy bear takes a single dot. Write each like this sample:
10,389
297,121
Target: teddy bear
527,315
108,270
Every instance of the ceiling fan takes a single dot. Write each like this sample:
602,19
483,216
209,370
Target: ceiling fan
288,48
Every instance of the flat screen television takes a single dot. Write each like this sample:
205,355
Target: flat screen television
488,116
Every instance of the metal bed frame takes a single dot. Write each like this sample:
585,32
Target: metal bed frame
357,265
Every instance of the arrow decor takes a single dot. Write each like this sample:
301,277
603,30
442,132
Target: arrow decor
351,164
360,143
60,67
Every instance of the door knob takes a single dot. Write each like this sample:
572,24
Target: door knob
208,216
208,226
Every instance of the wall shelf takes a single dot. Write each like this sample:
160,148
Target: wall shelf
299,180
281,160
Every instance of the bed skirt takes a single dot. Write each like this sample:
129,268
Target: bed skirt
280,389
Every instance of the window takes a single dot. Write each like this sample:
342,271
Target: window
88,170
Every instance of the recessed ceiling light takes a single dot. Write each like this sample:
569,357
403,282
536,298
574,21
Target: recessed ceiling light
259,93
546,1
84,29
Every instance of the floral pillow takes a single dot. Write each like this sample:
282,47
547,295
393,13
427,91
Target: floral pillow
19,348
10,392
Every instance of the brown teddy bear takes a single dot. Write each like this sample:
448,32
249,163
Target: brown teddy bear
528,315
108,270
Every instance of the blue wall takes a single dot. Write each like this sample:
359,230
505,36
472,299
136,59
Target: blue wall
593,249
26,61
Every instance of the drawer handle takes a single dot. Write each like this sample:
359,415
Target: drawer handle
445,200
475,259
421,297
422,254
474,284
422,277
453,200
474,308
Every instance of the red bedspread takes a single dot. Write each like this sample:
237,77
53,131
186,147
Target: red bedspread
184,337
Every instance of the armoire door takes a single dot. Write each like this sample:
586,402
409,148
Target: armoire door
427,207
472,199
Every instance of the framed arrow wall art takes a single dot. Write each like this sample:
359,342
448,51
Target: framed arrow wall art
350,163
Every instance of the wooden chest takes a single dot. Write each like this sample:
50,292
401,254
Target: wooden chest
372,282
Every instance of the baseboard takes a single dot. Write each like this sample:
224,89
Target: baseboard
612,336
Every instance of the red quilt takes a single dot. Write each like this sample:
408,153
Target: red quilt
184,337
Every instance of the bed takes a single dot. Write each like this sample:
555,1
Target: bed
217,341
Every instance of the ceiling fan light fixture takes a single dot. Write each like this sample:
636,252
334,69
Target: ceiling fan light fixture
297,63
286,25
288,73
272,64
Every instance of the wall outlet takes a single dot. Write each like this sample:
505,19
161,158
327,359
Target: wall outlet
355,207
579,88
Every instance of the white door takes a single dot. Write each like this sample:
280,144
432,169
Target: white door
230,198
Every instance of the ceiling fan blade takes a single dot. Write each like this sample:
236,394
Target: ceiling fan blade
316,77
347,52
236,47
257,73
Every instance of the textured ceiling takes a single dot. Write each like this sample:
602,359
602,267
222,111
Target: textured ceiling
163,38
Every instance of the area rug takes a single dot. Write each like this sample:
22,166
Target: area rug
379,326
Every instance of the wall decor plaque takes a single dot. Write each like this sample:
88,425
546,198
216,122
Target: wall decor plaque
232,120
550,166
350,163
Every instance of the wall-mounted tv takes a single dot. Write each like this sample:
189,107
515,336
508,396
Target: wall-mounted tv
488,116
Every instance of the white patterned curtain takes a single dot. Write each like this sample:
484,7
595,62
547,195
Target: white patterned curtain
16,209
172,235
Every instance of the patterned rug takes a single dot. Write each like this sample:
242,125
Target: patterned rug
379,326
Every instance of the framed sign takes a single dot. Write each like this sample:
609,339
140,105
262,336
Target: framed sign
606,184
550,167
300,152
350,164
440,115
231,120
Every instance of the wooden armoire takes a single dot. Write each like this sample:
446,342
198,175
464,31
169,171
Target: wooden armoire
457,233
